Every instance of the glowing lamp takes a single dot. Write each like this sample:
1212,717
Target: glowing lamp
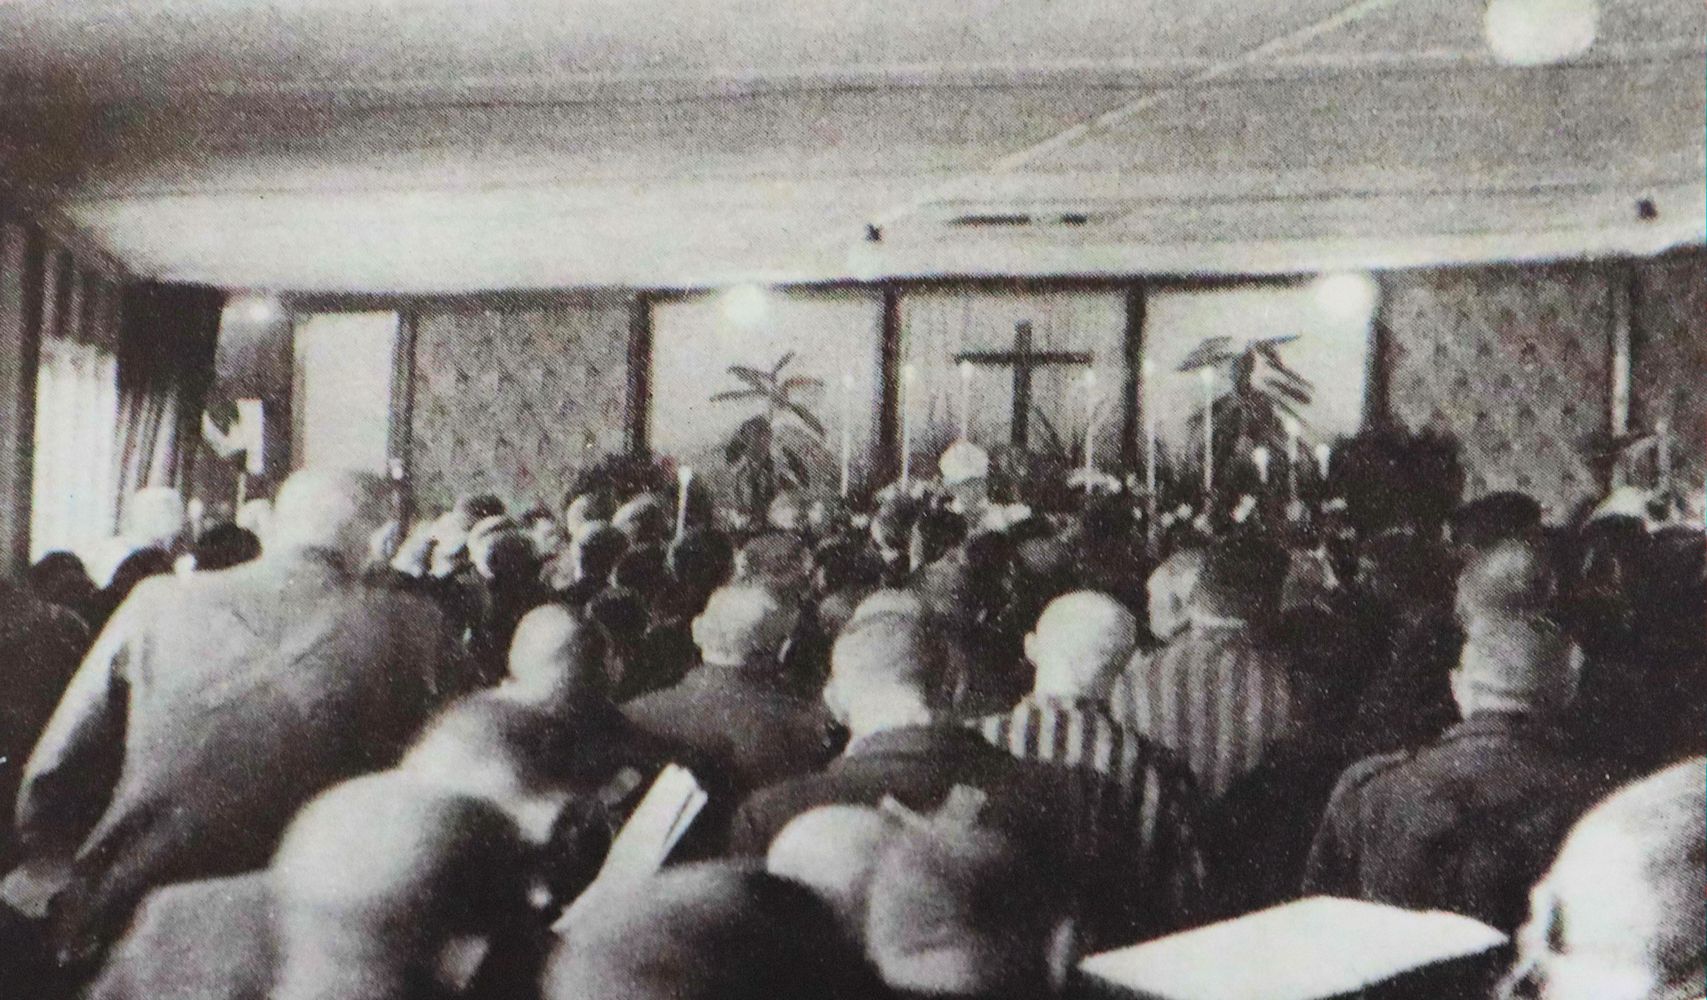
1540,32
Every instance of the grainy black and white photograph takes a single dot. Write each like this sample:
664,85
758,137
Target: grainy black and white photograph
861,500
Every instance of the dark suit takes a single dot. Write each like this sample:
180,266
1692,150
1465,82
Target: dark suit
740,720
1466,824
208,940
40,645
231,699
917,765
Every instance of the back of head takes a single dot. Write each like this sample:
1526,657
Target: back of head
154,516
596,550
958,909
225,545
716,931
60,577
375,876
1495,518
701,560
137,567
777,560
557,656
1514,657
1170,588
479,506
885,668
1081,641
833,850
1241,579
1622,914
742,624
935,534
333,510
892,525
508,558
644,519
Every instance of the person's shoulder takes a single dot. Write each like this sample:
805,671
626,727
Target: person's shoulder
1371,770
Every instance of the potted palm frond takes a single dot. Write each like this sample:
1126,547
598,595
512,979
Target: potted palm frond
1261,393
766,453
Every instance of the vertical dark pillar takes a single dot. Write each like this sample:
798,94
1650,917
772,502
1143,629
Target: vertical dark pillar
889,372
1377,410
22,263
639,401
401,447
1130,449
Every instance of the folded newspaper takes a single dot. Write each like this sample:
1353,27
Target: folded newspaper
1313,949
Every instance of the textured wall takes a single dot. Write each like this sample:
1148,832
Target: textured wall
1669,370
1514,361
514,399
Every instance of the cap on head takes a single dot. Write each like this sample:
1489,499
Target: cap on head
963,462
1081,640
742,624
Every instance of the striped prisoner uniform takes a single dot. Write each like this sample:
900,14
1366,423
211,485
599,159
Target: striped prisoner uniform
1215,696
1124,803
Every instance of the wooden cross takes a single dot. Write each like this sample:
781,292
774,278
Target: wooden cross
1024,361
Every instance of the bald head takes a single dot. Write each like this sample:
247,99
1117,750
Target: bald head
1620,915
557,656
1170,588
833,851
331,509
154,516
886,671
377,876
743,624
1080,642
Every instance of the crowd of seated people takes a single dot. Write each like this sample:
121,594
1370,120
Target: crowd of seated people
948,746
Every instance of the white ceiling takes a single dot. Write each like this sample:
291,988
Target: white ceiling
444,146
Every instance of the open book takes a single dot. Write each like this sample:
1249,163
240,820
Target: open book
1313,949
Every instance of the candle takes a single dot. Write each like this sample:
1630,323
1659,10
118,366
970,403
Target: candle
1324,457
1259,455
1090,419
847,433
1292,430
1207,376
908,373
684,476
966,401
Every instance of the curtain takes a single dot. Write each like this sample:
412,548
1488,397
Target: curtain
77,406
165,369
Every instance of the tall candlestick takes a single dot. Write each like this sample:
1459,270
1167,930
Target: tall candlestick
1207,376
847,434
684,476
1259,456
1324,459
908,373
966,401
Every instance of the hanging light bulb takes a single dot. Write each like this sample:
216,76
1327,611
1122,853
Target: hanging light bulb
1540,32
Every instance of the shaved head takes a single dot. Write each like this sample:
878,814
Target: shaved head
1080,642
557,655
332,509
1170,588
1620,915
742,624
833,851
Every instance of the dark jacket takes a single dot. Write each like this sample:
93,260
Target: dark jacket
40,646
917,765
739,720
228,699
1466,824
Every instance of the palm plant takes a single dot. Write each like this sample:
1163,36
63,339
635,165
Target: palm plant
1263,393
759,453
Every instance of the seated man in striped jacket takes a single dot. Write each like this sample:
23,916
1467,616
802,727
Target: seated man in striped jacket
1141,796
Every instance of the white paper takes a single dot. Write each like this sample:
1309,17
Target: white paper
1308,950
655,827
